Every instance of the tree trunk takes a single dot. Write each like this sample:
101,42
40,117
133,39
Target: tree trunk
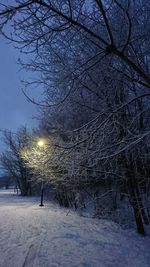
135,204
143,213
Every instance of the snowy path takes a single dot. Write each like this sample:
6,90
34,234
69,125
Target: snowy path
46,237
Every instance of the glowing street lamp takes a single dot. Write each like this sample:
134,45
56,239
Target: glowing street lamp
41,143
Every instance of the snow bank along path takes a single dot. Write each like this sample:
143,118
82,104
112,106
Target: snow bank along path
48,237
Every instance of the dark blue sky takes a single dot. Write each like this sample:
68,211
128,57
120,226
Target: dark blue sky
15,110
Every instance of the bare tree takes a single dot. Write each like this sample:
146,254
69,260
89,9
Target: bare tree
13,164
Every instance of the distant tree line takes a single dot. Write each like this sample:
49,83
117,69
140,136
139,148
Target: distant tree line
6,182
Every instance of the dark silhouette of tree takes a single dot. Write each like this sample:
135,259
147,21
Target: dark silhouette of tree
13,164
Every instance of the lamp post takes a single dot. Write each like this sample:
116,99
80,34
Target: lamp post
41,145
42,194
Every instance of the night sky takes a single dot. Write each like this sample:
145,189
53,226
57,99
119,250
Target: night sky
15,110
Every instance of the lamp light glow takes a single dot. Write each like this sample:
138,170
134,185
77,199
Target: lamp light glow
40,143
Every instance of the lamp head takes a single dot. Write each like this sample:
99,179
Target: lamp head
41,143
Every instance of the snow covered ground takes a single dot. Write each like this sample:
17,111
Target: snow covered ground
49,237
